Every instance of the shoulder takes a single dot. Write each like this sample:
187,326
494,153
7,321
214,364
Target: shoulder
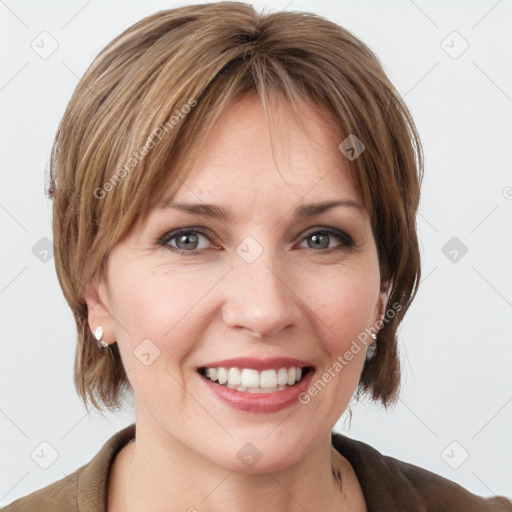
389,484
61,493
81,491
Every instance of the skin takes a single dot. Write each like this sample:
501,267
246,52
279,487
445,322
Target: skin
296,299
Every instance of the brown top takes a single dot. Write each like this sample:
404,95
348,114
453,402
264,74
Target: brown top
388,484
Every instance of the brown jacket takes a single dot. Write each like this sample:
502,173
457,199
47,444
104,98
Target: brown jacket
389,485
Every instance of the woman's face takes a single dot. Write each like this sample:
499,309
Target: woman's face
261,286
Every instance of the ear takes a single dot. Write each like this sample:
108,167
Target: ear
98,308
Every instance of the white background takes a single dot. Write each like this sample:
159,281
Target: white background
455,343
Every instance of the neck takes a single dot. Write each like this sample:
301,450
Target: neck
150,476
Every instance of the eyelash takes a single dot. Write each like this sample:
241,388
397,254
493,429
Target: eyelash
346,240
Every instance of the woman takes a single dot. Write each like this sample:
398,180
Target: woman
234,216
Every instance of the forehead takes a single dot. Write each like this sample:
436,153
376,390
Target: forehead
247,157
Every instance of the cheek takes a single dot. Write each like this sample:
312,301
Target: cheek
344,307
156,313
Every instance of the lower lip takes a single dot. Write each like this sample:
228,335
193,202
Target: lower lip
260,402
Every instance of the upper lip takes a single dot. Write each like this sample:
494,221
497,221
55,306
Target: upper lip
258,364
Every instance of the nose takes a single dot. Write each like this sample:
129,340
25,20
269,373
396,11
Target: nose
260,298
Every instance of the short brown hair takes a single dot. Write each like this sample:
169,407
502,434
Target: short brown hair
204,57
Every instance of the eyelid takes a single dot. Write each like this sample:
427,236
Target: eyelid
346,241
173,233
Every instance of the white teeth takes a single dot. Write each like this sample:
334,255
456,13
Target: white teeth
234,376
253,381
250,378
268,379
222,375
266,390
282,376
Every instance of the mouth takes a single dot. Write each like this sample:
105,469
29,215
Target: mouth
251,380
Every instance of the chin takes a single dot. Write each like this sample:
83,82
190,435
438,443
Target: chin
255,451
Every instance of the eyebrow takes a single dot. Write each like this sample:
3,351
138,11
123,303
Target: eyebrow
224,214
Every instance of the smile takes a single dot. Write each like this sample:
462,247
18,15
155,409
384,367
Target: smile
256,385
253,381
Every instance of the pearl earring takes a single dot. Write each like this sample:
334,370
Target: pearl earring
98,334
